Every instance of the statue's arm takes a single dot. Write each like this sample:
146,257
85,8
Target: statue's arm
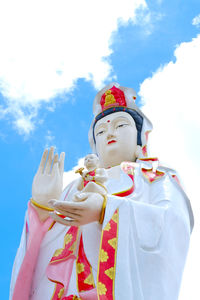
101,175
33,232
153,234
161,212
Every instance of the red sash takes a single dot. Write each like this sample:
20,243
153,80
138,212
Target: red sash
91,173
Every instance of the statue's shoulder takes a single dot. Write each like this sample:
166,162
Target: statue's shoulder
152,170
161,181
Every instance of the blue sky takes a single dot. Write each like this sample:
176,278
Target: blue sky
50,73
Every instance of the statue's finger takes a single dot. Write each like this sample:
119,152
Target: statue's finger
69,214
69,206
55,164
81,196
43,161
69,222
55,158
77,199
61,162
49,161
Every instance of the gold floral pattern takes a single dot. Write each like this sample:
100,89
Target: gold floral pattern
113,243
60,293
110,273
58,252
67,238
103,256
102,288
89,280
73,247
115,218
107,227
80,268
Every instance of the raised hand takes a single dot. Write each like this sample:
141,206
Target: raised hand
48,181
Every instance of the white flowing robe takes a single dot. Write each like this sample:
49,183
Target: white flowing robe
155,223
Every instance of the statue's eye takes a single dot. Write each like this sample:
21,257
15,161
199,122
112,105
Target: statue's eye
122,125
100,132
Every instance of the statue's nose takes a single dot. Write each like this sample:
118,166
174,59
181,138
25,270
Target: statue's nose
110,136
110,132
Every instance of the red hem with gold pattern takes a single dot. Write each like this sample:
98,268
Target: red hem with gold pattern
107,259
85,280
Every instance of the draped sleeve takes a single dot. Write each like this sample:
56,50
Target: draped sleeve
154,230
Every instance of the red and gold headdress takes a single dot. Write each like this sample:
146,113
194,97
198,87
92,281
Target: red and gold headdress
112,98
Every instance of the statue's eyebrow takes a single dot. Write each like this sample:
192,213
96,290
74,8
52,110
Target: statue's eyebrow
121,118
97,127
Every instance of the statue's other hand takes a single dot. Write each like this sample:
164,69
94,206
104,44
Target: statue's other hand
48,180
87,210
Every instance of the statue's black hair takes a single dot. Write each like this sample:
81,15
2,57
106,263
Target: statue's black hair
134,114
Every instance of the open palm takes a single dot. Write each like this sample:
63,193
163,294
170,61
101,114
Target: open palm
48,181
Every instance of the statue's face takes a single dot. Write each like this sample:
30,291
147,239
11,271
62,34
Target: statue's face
116,139
91,161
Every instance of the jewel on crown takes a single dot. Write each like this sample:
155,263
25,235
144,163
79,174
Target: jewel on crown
113,97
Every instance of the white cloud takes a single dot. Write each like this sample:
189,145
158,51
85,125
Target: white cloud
171,100
49,138
24,125
147,19
47,45
71,175
196,21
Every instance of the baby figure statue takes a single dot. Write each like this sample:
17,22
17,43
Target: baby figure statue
93,178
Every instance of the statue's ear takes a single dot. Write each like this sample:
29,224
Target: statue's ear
138,151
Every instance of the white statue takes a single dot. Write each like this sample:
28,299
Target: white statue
126,239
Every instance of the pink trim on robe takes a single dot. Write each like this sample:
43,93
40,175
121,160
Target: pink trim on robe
89,295
61,272
37,230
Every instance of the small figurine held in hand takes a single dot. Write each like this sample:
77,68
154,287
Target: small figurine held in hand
92,179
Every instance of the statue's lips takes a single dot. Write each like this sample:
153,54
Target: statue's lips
112,141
